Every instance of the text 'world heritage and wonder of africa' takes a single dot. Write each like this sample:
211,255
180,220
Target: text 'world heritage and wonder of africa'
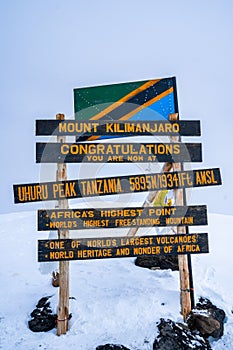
116,247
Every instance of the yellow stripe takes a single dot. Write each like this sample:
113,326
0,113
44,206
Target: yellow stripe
148,103
93,138
124,99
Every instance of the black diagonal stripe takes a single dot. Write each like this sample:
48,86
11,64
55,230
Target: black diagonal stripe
139,99
151,92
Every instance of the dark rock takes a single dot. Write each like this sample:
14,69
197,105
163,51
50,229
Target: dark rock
174,336
205,324
35,312
43,320
111,347
46,311
42,302
158,262
42,324
207,318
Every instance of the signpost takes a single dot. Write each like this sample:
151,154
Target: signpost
82,219
121,247
117,152
130,109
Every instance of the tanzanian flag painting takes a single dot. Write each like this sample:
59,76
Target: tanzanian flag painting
141,100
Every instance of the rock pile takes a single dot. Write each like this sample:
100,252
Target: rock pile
207,318
43,319
178,337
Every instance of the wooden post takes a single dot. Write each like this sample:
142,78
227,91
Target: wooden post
63,306
185,299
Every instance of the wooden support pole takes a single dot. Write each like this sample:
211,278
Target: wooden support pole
185,299
63,306
184,261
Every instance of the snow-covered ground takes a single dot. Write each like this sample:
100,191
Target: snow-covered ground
115,301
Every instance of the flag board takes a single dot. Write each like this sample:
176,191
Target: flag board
153,99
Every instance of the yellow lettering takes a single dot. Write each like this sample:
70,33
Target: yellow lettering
64,148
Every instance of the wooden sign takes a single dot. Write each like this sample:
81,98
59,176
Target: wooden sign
76,219
117,128
121,247
117,152
115,185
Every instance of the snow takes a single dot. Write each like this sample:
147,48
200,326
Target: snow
115,301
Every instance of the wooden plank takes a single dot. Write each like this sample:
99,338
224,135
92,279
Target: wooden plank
121,247
81,219
117,152
44,191
117,128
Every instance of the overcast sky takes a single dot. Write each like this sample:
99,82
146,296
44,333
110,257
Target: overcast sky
48,48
